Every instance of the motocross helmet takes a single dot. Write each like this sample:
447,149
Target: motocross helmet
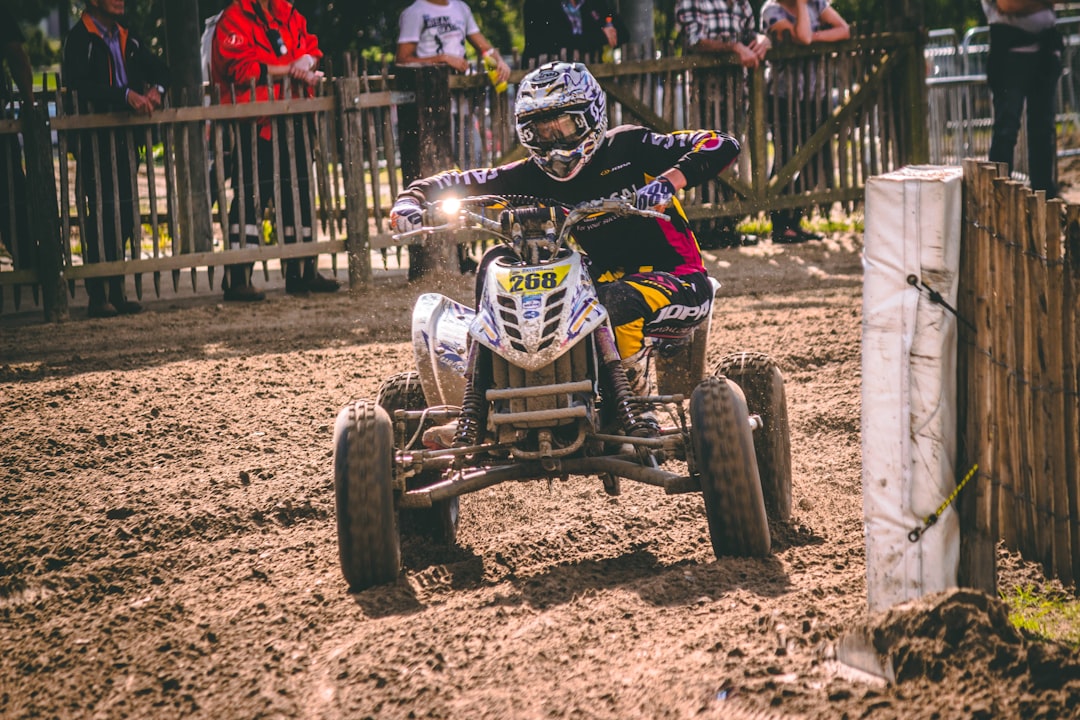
561,116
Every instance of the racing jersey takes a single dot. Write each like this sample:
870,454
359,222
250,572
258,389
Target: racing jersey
629,158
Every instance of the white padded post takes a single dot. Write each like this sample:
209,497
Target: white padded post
913,219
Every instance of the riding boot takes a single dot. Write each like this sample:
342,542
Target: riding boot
638,374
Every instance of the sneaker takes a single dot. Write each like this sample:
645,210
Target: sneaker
101,310
244,293
128,307
440,437
321,284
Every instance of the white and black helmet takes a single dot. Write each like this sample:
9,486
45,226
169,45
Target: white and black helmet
561,114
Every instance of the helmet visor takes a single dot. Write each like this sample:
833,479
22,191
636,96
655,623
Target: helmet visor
563,130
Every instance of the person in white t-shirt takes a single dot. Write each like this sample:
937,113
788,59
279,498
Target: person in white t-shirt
435,31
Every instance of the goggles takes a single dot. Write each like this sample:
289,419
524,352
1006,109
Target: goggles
558,131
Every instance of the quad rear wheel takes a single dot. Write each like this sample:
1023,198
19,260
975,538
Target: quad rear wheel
723,447
369,545
763,386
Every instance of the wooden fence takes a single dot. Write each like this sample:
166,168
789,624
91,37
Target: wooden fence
858,109
1019,353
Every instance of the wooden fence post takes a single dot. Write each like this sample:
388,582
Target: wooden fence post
423,135
45,217
357,238
917,104
978,526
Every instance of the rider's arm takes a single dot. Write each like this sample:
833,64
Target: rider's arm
695,155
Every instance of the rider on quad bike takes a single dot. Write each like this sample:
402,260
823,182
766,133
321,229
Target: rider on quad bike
648,272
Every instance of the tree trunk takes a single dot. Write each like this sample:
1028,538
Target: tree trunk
638,16
183,29
424,127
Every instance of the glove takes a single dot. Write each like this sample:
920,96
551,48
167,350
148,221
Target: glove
657,194
406,215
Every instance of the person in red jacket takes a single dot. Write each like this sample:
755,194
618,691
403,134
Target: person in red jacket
265,42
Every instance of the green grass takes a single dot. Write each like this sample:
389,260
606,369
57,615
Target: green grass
761,225
1044,615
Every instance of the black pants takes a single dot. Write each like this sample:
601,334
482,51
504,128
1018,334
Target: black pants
14,218
254,173
108,174
1030,78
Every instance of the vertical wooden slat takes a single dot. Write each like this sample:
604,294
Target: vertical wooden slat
1000,287
1033,236
151,194
1054,406
978,529
358,239
169,138
294,176
1018,387
132,176
65,184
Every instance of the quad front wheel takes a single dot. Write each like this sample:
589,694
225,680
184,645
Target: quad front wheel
369,545
723,447
763,386
440,521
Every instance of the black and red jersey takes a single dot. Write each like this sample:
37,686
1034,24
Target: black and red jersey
629,157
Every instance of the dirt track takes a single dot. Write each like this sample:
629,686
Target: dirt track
168,547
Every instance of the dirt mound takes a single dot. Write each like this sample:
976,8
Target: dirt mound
962,643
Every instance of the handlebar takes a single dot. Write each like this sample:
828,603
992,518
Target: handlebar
459,216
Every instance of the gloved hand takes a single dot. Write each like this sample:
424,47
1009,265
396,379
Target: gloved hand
406,215
656,195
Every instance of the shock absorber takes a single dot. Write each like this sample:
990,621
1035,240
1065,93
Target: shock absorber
627,412
474,404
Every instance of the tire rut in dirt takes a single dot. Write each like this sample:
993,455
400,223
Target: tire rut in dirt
763,386
369,546
724,449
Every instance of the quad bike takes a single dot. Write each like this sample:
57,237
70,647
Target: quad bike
530,385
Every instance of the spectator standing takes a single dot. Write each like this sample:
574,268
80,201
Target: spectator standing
724,27
14,219
267,41
583,27
434,32
111,70
801,99
1024,66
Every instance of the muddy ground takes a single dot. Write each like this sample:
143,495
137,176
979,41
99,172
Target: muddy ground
168,544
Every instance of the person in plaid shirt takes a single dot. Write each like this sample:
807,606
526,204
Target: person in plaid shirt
720,26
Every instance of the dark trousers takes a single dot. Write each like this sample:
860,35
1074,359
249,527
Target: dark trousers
254,174
1030,78
14,218
108,174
